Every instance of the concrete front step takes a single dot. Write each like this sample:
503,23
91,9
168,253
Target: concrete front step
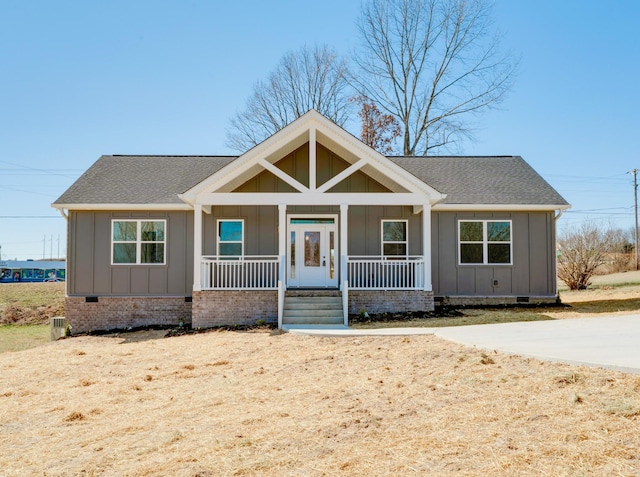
311,307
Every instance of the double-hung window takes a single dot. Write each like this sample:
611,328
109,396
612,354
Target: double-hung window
138,242
230,238
485,242
394,238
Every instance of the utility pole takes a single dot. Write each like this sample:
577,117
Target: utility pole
635,205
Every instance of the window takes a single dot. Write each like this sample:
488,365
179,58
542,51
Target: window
138,241
230,238
485,242
394,238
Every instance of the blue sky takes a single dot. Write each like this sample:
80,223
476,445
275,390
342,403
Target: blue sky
82,79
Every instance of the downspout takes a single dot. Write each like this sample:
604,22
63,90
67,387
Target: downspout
555,257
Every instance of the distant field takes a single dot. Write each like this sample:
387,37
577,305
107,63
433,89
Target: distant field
30,303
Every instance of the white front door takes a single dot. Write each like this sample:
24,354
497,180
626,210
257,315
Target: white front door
312,246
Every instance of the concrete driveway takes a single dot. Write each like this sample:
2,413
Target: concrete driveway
608,342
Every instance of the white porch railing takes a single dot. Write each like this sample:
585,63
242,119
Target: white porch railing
384,273
251,272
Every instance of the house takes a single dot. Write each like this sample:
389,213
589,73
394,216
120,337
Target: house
311,220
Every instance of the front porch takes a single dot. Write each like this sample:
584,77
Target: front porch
253,288
310,207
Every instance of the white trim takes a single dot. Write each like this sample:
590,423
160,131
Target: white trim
485,244
405,241
426,247
115,207
498,207
197,247
283,175
219,242
138,241
335,180
309,127
312,198
287,258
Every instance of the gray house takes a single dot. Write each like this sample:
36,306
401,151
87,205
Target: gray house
308,226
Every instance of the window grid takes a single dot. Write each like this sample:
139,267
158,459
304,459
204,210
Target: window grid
394,238
134,244
490,249
231,238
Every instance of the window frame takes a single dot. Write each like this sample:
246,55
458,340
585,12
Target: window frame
405,241
485,243
138,242
219,241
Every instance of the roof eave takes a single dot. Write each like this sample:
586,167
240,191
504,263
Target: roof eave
172,206
500,207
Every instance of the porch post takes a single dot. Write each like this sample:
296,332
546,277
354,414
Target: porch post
282,252
426,246
344,241
197,247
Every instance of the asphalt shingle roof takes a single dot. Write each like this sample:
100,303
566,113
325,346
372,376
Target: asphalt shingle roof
142,180
482,180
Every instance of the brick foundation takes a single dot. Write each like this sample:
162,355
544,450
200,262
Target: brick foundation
110,313
389,301
495,300
234,307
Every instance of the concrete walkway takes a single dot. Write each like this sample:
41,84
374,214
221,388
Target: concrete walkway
606,342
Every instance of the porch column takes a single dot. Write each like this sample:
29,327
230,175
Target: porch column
344,241
426,246
282,252
197,247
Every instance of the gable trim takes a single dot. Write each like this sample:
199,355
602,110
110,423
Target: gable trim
309,128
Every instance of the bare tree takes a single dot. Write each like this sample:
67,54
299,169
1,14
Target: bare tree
311,78
582,250
432,64
378,130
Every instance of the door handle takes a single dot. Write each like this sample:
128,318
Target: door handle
324,262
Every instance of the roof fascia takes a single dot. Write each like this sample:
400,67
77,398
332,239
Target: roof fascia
122,206
499,207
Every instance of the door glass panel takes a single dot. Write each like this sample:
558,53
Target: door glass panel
293,255
331,256
312,249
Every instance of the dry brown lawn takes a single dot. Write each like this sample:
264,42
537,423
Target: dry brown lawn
266,404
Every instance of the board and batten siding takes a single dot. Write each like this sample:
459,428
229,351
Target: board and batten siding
532,273
260,228
365,228
90,271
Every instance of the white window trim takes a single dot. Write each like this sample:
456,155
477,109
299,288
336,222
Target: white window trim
139,241
485,243
218,241
383,241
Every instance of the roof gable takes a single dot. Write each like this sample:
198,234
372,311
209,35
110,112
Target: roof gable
310,130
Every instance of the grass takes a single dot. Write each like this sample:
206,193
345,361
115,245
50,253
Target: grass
21,337
31,294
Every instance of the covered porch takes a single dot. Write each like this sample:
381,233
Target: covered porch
375,283
311,207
